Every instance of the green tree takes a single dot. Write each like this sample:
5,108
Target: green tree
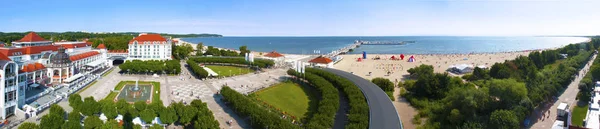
244,50
74,121
199,48
111,124
122,106
75,101
384,83
504,119
156,126
420,70
187,114
479,73
74,116
133,112
148,115
29,125
109,110
90,106
92,122
140,105
55,109
500,71
72,125
508,91
168,115
52,121
137,127
206,122
595,70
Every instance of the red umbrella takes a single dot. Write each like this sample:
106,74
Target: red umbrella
402,56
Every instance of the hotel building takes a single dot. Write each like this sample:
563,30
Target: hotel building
149,47
34,67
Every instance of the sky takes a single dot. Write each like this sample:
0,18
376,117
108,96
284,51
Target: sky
306,17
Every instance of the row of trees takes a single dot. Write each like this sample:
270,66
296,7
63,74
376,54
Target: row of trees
113,41
259,116
198,71
328,105
220,52
386,85
501,97
151,66
195,113
587,84
181,52
263,63
358,115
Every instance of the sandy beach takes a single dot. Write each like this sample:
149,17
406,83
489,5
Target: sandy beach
398,68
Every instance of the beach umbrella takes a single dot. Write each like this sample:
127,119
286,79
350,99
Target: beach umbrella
411,59
401,56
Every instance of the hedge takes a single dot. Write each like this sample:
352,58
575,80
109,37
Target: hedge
358,116
260,118
198,71
328,105
263,63
152,66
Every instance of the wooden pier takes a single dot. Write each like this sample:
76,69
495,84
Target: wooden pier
386,43
344,50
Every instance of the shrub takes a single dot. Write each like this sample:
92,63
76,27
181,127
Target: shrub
259,117
329,103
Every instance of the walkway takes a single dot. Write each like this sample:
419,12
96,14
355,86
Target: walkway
382,113
568,96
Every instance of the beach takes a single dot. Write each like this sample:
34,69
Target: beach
398,68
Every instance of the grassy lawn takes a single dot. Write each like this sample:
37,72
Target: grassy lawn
86,87
290,97
156,89
223,71
578,115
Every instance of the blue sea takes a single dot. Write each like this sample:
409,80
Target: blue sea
421,45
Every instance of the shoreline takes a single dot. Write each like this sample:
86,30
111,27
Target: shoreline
457,53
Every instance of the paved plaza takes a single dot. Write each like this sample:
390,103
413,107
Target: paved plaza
186,88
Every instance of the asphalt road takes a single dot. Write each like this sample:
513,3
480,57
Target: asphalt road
382,113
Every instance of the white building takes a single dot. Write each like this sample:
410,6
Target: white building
149,47
35,66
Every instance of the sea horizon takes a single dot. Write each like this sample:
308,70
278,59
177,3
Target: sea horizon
423,44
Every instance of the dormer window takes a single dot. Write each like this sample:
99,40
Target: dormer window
135,42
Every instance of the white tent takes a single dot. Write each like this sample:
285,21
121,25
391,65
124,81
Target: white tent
138,121
157,121
103,117
119,118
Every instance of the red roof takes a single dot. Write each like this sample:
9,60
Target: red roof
27,50
118,51
32,37
32,67
273,54
321,60
75,45
83,55
3,57
148,37
101,46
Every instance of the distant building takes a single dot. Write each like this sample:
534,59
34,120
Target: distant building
31,39
322,62
149,47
